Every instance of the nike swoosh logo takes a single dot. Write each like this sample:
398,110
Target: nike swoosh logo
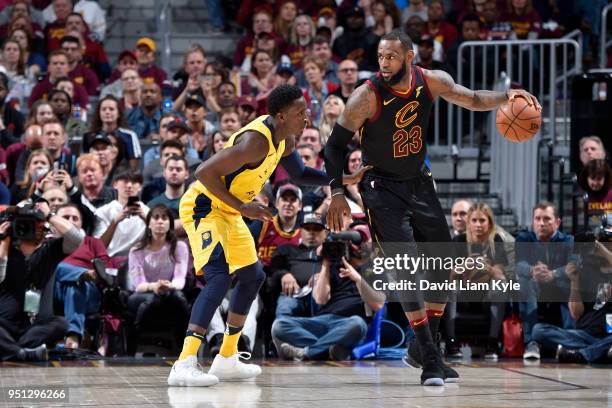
388,102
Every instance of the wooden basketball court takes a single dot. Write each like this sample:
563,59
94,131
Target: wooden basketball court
123,383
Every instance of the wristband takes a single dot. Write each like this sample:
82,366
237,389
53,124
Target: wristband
51,214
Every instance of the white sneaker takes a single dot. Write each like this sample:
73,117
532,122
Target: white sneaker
231,368
532,351
188,373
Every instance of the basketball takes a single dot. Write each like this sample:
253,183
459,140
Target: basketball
517,121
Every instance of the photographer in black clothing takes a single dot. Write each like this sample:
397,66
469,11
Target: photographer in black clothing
590,304
27,263
344,300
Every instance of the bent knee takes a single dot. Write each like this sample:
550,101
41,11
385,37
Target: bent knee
279,327
358,325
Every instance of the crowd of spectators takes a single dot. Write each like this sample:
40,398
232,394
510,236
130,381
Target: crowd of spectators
110,146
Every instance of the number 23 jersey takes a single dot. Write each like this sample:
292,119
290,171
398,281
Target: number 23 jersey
393,140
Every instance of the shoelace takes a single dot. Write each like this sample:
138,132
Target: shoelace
196,365
245,355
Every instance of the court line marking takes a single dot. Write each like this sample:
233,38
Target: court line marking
576,386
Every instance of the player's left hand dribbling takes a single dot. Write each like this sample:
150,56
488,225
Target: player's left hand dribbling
256,211
521,93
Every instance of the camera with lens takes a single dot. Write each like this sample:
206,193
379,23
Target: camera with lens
24,222
336,246
602,233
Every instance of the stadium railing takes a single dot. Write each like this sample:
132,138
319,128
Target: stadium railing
163,13
604,43
544,68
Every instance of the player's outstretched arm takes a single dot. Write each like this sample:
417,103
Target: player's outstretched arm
360,106
442,84
250,149
309,176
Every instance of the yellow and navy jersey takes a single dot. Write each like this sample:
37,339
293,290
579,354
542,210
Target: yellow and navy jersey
393,140
245,183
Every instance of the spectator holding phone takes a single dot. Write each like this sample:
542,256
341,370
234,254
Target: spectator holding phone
53,140
54,179
120,224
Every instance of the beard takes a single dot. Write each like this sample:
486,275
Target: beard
175,185
395,79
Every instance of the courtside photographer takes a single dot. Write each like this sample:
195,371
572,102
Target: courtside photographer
590,303
27,264
344,301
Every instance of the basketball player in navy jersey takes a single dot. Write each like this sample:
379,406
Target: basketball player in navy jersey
391,112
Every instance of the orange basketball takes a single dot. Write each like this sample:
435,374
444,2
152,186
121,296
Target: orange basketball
517,121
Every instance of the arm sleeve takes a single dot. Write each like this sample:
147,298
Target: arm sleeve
301,174
334,154
181,256
73,238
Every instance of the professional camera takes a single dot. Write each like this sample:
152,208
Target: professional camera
602,233
336,246
24,221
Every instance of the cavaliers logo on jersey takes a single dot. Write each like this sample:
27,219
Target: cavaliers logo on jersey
401,119
206,239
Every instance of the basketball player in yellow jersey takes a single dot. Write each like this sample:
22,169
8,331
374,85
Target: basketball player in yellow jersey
211,211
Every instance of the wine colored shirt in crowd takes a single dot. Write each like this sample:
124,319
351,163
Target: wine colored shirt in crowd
42,89
81,75
90,249
523,25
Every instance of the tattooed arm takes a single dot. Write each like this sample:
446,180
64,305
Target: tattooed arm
442,84
359,107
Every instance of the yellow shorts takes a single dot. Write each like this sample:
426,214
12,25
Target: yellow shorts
218,227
